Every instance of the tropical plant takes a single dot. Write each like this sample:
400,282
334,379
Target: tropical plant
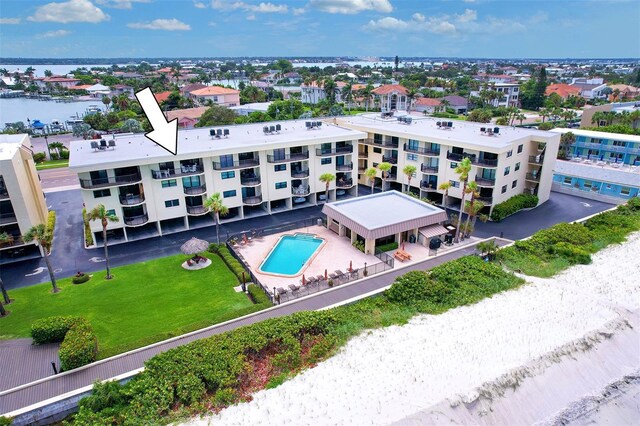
215,205
39,234
347,95
330,90
474,191
106,101
566,140
445,186
463,169
409,171
131,125
371,173
100,213
384,167
5,295
327,178
82,130
366,92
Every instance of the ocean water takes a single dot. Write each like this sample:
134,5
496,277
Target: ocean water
21,109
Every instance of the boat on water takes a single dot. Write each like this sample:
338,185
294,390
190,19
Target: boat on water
73,120
56,125
93,109
37,125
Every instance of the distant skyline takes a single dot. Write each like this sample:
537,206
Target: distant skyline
417,28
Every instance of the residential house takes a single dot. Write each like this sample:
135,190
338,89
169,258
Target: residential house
188,117
427,105
186,89
457,103
391,97
123,89
216,94
563,90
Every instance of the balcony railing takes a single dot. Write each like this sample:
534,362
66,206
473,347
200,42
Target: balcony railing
482,181
196,210
485,200
195,190
344,167
337,151
8,218
4,194
422,151
289,157
389,176
386,143
608,147
536,159
301,191
429,169
391,160
240,164
345,183
250,181
256,199
131,199
474,160
136,220
427,186
182,171
12,242
362,155
299,174
110,181
531,176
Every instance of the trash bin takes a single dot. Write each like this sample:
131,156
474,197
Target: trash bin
319,222
412,238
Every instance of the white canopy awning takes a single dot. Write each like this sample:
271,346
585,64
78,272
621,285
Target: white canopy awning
433,231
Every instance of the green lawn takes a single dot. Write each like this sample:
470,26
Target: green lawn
143,303
53,164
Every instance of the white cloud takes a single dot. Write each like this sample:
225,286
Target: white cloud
69,11
469,1
9,21
161,24
251,17
351,7
247,7
53,34
418,23
418,17
120,4
199,5
387,23
298,11
468,16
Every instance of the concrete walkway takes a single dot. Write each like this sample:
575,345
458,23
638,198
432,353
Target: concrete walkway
57,385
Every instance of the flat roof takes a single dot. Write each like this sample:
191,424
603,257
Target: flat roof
9,145
136,148
625,175
598,135
386,213
425,128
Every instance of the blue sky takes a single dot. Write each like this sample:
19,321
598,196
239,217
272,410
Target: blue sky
209,28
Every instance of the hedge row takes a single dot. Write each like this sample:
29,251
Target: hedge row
258,295
39,157
79,343
231,262
513,205
388,247
88,235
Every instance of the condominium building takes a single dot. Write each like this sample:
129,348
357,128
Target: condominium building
506,161
510,94
258,169
603,146
22,203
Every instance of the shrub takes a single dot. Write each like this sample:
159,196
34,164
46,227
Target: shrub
4,421
388,247
39,157
88,235
51,225
574,254
232,263
54,156
79,347
257,295
64,154
359,245
80,278
51,329
513,205
546,126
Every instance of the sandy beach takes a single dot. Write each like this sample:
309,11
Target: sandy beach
524,356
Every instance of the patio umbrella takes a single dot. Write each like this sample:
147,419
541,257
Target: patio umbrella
304,280
325,274
351,266
194,246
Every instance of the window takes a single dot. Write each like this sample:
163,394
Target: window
191,181
102,193
588,184
514,184
228,175
280,167
504,189
520,147
625,190
453,165
454,183
172,203
507,170
229,194
226,161
168,183
509,153
413,144
377,150
325,161
111,212
567,181
517,167
375,165
281,185
619,143
412,157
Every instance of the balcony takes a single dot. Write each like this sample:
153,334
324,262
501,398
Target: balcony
250,181
289,157
240,164
608,147
195,190
432,170
196,210
344,167
344,183
536,159
389,176
183,171
4,194
252,201
374,142
427,186
337,151
131,199
12,242
482,181
486,200
136,220
390,160
362,155
474,160
533,177
422,151
110,181
6,218
299,174
301,191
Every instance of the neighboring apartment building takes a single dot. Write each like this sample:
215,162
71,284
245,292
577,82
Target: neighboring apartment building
187,117
510,94
257,173
218,95
509,162
586,120
602,146
22,203
312,93
391,97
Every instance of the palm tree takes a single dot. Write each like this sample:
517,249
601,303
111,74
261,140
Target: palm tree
330,90
327,178
566,140
473,190
544,112
444,104
384,167
215,205
463,169
445,187
41,237
371,173
106,101
409,170
411,94
347,95
5,295
100,213
366,92
520,117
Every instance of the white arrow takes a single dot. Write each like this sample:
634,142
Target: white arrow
97,259
164,133
36,271
585,204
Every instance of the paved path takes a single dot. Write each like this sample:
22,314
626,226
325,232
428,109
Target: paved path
23,362
54,179
59,385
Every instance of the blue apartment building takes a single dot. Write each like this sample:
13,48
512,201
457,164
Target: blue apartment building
606,147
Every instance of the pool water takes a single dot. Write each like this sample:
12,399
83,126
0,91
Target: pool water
291,254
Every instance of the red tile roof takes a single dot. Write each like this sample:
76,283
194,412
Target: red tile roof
428,102
390,88
162,96
562,89
214,90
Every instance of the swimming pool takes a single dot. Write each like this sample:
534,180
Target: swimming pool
291,254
